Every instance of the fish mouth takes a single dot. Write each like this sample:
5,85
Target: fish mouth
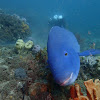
67,80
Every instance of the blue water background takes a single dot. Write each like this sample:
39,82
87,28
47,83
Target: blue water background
81,16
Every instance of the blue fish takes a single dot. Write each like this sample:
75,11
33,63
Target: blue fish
63,55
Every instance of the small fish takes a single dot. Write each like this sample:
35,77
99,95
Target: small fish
63,55
89,33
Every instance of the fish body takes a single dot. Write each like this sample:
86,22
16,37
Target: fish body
63,59
63,55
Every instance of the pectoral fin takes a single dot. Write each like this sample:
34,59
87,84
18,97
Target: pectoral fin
89,52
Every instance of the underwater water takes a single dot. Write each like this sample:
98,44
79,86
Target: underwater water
81,16
24,29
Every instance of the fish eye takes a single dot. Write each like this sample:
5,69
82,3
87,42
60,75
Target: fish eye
66,54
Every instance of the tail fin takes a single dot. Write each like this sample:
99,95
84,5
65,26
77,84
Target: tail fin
89,52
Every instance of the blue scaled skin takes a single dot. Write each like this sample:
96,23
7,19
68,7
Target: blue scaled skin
63,55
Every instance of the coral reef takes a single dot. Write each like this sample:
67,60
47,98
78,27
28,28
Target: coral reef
90,60
12,27
24,76
90,68
39,84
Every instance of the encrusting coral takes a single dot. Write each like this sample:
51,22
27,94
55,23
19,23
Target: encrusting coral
93,91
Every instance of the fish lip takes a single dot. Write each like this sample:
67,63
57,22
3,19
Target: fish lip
67,80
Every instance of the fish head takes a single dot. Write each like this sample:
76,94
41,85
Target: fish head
66,65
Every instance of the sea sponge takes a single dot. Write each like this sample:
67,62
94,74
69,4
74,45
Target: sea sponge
93,91
76,94
19,44
36,49
20,73
29,44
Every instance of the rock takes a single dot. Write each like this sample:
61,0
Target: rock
3,85
4,72
1,60
7,88
26,97
19,85
4,67
38,90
